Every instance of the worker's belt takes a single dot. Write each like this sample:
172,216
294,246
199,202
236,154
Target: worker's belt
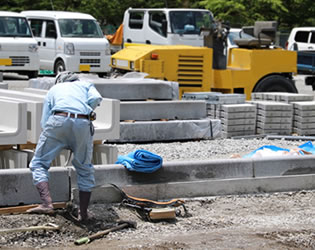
68,114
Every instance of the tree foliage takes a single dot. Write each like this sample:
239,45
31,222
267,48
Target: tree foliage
288,13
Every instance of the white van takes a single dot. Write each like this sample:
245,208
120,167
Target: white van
166,26
18,48
69,41
302,38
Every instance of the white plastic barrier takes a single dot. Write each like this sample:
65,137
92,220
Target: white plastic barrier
13,126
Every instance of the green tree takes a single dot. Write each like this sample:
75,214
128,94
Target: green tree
245,12
288,13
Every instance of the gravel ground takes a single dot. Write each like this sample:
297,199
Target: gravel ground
261,221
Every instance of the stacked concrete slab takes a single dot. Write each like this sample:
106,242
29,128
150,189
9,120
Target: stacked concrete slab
214,100
303,114
237,119
304,118
273,117
281,97
168,120
150,110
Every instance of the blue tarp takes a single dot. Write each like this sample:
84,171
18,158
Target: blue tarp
308,147
141,161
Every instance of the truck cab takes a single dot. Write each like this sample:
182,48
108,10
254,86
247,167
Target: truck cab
18,48
166,26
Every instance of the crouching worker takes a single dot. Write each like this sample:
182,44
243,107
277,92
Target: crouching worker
67,124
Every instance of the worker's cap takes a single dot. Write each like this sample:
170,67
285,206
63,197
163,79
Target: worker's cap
66,76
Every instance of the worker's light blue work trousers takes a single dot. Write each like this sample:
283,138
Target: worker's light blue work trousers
65,133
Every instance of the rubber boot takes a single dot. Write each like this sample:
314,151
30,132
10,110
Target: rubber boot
84,203
46,207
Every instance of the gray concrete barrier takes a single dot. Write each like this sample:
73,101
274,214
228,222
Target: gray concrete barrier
16,186
174,179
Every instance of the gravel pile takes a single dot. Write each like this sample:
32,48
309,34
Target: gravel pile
206,149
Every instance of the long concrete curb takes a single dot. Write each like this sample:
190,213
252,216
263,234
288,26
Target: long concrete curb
174,179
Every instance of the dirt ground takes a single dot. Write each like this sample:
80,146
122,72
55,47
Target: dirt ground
261,221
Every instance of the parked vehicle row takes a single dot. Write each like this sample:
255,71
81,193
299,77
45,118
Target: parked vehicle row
54,41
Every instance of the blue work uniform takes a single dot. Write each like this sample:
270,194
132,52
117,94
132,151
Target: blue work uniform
64,132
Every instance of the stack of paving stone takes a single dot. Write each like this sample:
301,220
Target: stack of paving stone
282,97
273,117
237,117
303,115
304,118
214,100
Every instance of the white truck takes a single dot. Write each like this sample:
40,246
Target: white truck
18,48
69,41
166,26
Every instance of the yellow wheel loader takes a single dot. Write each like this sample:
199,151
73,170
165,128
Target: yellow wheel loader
256,65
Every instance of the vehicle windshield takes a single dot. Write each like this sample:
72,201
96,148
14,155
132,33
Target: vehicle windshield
14,27
237,35
190,22
80,28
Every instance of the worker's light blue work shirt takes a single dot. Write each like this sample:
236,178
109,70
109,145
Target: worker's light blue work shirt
83,99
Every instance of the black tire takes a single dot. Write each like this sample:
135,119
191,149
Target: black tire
32,74
59,67
276,83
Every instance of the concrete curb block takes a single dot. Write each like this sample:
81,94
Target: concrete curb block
16,186
285,165
174,179
207,188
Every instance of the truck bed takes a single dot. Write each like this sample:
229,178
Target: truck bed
306,62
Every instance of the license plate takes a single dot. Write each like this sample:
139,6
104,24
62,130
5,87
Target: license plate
85,67
5,61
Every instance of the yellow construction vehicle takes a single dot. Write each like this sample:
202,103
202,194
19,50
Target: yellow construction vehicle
254,66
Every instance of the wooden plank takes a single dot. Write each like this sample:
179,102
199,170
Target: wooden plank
6,147
97,142
22,209
162,213
27,146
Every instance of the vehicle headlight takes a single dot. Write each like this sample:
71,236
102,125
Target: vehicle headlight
132,65
69,49
113,61
107,50
32,48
